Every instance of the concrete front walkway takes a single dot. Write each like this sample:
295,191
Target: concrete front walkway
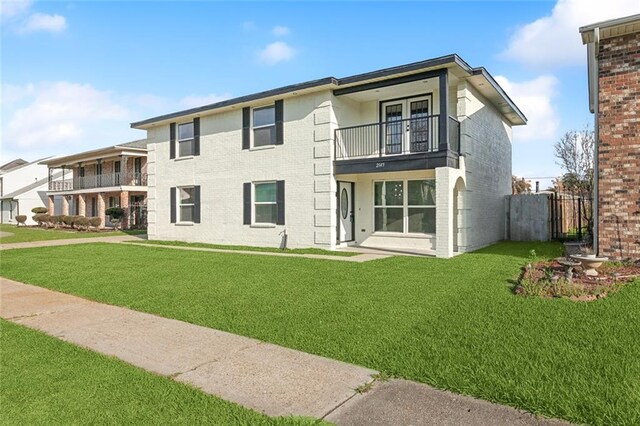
268,378
70,241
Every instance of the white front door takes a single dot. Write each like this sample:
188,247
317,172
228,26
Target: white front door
345,211
408,125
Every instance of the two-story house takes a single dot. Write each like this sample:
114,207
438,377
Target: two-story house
415,157
92,181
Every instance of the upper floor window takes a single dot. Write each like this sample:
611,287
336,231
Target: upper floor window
185,139
264,126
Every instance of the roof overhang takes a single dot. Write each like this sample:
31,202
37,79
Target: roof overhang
492,91
96,154
611,28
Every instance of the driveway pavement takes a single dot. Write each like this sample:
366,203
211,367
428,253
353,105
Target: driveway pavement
271,379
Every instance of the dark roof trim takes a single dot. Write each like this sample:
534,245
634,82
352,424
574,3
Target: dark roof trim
482,71
239,100
390,82
430,63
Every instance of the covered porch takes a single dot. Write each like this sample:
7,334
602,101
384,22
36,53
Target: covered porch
414,212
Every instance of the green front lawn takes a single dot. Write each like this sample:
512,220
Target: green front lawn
249,248
455,324
46,381
25,234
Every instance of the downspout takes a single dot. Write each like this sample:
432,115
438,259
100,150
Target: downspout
596,130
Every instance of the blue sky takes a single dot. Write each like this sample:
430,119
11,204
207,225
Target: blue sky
75,74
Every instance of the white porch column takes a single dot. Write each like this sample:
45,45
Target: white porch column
445,180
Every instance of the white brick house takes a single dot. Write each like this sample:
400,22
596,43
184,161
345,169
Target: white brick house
413,157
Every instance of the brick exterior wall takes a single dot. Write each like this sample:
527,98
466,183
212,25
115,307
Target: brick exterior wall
619,147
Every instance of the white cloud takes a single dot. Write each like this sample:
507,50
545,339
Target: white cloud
280,30
276,52
13,8
534,98
59,115
193,101
554,41
44,22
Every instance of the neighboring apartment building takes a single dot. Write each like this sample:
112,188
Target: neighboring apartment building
93,181
416,157
23,186
614,98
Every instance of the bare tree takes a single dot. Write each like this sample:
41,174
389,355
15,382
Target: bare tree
575,154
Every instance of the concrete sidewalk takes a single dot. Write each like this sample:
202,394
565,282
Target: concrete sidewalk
268,378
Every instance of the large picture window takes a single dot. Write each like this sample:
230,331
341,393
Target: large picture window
405,206
264,126
265,203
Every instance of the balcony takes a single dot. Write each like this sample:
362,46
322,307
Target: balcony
100,181
408,144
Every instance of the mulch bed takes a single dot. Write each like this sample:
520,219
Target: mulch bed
548,279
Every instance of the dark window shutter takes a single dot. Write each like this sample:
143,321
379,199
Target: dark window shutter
246,196
196,136
280,201
173,205
246,128
279,122
172,140
196,208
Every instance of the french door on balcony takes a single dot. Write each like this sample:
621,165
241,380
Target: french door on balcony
407,125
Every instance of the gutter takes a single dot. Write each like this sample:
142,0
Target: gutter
596,129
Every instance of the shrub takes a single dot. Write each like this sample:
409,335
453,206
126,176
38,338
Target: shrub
21,219
56,220
68,220
39,210
81,222
41,218
95,221
115,212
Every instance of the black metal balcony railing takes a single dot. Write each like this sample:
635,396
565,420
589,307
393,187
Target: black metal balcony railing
100,181
408,136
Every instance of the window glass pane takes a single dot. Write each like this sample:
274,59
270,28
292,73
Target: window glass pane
422,220
186,195
389,219
265,192
393,193
266,213
422,192
377,193
186,213
264,116
264,136
185,131
388,193
186,148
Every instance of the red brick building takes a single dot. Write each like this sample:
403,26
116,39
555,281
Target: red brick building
614,98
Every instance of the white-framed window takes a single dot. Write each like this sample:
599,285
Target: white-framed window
264,126
265,205
185,139
405,206
186,204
